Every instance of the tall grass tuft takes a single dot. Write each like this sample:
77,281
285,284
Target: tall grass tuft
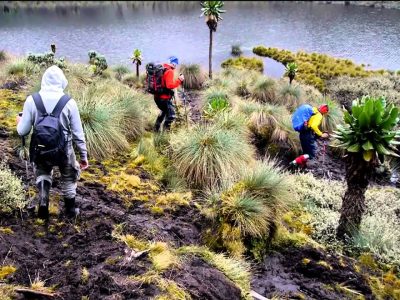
290,96
208,155
248,208
120,71
112,115
20,68
272,123
194,76
263,90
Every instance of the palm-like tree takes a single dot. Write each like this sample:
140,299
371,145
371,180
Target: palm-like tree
137,59
368,135
291,69
212,10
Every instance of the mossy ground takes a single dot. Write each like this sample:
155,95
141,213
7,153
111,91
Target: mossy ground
314,68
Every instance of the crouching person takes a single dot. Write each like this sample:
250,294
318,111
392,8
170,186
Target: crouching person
56,124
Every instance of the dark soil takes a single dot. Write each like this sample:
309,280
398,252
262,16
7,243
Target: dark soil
56,252
288,275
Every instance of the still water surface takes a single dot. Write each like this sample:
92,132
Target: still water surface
363,34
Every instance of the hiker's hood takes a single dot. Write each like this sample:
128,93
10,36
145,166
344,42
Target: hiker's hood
53,80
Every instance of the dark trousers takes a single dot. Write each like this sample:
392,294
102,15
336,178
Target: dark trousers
308,142
167,113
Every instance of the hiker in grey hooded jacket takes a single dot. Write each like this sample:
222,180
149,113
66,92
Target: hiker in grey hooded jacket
52,89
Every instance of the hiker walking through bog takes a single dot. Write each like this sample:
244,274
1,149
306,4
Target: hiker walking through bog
56,124
160,82
306,120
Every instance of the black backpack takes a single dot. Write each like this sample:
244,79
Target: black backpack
48,143
154,80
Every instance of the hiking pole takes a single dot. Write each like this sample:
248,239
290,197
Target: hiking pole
184,104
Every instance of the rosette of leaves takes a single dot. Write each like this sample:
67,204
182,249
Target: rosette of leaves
370,128
370,131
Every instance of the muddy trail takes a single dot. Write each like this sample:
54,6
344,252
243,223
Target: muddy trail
57,252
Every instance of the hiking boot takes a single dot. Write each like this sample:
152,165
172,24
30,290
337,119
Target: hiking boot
71,211
44,191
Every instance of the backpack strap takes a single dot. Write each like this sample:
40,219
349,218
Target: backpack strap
60,105
39,103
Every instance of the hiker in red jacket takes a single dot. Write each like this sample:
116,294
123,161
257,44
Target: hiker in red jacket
164,100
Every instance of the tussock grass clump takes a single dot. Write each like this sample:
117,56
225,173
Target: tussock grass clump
208,155
244,63
120,71
133,81
12,196
290,96
249,208
195,76
112,115
20,68
264,90
271,123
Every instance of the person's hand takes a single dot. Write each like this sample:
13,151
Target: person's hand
181,77
18,118
325,135
83,164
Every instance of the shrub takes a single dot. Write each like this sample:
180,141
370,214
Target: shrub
244,63
313,68
12,196
215,106
46,60
120,71
194,76
236,51
213,94
263,90
98,61
20,68
249,208
207,155
380,228
344,89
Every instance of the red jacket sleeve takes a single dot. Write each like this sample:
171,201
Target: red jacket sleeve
170,83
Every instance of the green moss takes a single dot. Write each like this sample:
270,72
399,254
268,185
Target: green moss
244,63
6,271
314,69
6,230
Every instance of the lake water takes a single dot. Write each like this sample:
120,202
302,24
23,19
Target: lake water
365,35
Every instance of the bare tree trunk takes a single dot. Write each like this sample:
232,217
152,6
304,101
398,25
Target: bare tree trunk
291,79
210,56
358,173
137,70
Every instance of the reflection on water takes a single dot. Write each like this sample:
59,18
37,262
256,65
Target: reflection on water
160,29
